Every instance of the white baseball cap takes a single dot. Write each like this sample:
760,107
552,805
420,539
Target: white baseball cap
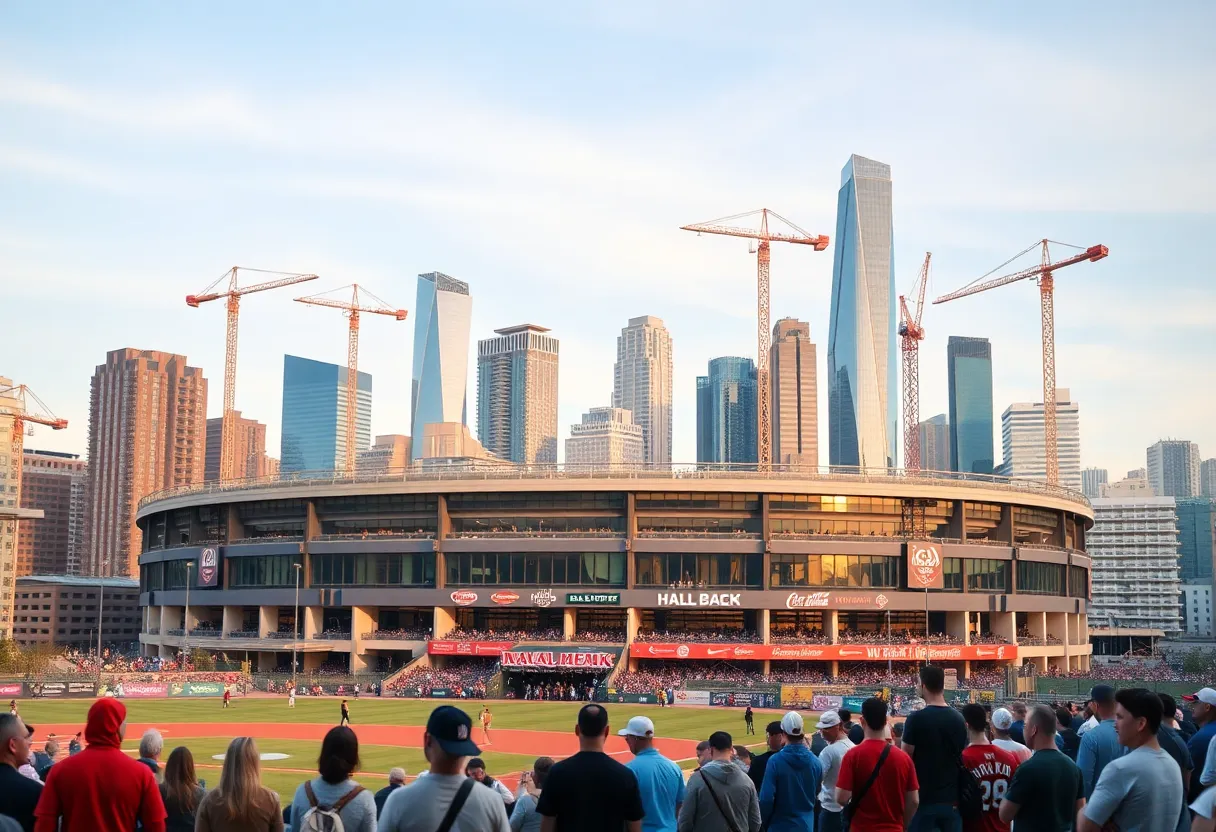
829,719
1002,719
791,724
639,726
1205,695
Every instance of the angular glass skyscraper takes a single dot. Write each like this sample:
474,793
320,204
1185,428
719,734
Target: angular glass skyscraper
863,403
441,354
969,372
314,415
726,412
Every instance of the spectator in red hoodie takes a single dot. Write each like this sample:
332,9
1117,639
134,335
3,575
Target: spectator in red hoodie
101,789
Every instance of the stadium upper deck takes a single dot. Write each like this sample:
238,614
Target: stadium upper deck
820,565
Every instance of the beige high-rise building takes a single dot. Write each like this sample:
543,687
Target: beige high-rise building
517,394
606,436
642,383
147,432
250,452
10,506
272,466
390,453
795,394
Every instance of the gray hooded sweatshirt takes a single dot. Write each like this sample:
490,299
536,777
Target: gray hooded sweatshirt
735,792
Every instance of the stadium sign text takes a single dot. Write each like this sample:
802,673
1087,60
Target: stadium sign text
699,599
468,648
506,597
546,659
827,652
544,598
594,599
464,597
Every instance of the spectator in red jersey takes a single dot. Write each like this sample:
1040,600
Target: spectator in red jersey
992,765
893,792
101,789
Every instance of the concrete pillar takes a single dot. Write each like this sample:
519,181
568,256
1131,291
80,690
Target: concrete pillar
359,663
170,619
312,525
311,623
445,621
1037,622
268,620
1004,529
164,652
1004,624
631,533
762,621
831,623
443,527
957,527
569,623
768,667
633,620
966,674
956,626
232,619
234,529
835,669
362,621
266,662
154,617
1061,534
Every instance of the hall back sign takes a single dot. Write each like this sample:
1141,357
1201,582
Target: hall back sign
925,565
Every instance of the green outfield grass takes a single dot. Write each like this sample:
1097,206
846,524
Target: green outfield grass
678,723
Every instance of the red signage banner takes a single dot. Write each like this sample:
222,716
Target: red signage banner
558,660
827,652
142,690
925,565
468,648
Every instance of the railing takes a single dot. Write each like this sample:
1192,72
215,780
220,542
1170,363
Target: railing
395,635
637,472
699,533
284,635
332,636
269,538
498,533
377,536
243,634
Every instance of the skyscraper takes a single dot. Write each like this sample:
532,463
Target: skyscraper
442,310
935,443
389,454
1207,477
1134,549
726,412
1024,446
250,452
55,483
1173,468
1196,539
147,431
795,394
517,394
10,508
314,415
606,436
863,404
969,371
1092,480
641,383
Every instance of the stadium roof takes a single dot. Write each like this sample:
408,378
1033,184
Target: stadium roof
79,580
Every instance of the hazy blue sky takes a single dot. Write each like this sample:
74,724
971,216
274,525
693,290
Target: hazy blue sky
547,153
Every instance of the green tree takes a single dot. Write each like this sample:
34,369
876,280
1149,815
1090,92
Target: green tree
201,659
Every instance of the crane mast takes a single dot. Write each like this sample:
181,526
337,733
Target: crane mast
911,334
723,226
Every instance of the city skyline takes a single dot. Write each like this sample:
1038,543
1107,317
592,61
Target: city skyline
352,197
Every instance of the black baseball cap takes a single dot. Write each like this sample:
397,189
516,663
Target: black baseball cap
453,730
1102,694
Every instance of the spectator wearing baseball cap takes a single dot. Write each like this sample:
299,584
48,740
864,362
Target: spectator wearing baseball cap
776,741
1203,708
1002,725
1100,744
835,733
791,782
660,781
422,805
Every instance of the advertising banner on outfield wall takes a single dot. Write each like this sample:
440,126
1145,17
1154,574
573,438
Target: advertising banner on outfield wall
630,698
559,659
799,696
826,702
468,648
827,652
141,690
853,703
691,697
196,689
11,689
58,690
741,699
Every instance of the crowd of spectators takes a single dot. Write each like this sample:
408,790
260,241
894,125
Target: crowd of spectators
799,635
725,635
614,636
401,634
538,634
466,678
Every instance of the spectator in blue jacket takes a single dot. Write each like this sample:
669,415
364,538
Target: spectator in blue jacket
1100,744
1203,708
791,782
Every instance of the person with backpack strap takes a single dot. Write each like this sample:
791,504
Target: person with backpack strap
720,796
334,802
877,783
445,800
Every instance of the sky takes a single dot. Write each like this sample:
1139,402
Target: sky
547,153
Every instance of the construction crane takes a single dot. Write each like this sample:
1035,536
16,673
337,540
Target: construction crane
912,333
1045,274
234,293
353,308
764,334
23,415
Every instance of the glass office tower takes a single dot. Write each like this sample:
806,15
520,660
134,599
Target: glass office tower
442,312
314,415
726,412
969,373
863,402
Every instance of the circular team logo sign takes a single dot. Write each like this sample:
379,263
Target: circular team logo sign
924,563
682,651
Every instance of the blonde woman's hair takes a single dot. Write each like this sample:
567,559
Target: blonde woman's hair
240,789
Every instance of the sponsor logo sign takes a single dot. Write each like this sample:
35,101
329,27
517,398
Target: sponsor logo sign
464,597
826,702
803,600
11,689
544,598
797,651
822,600
506,597
924,565
55,689
468,648
208,566
827,652
593,599
699,599
691,697
143,690
555,660
881,600
740,699
796,695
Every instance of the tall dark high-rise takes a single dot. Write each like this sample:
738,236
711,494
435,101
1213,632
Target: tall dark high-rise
795,393
517,394
935,443
55,483
250,452
969,374
314,415
726,412
1173,468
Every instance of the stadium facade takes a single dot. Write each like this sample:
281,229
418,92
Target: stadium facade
952,568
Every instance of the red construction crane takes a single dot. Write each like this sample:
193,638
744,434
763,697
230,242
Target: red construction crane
912,333
353,308
234,292
21,415
763,333
1045,274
